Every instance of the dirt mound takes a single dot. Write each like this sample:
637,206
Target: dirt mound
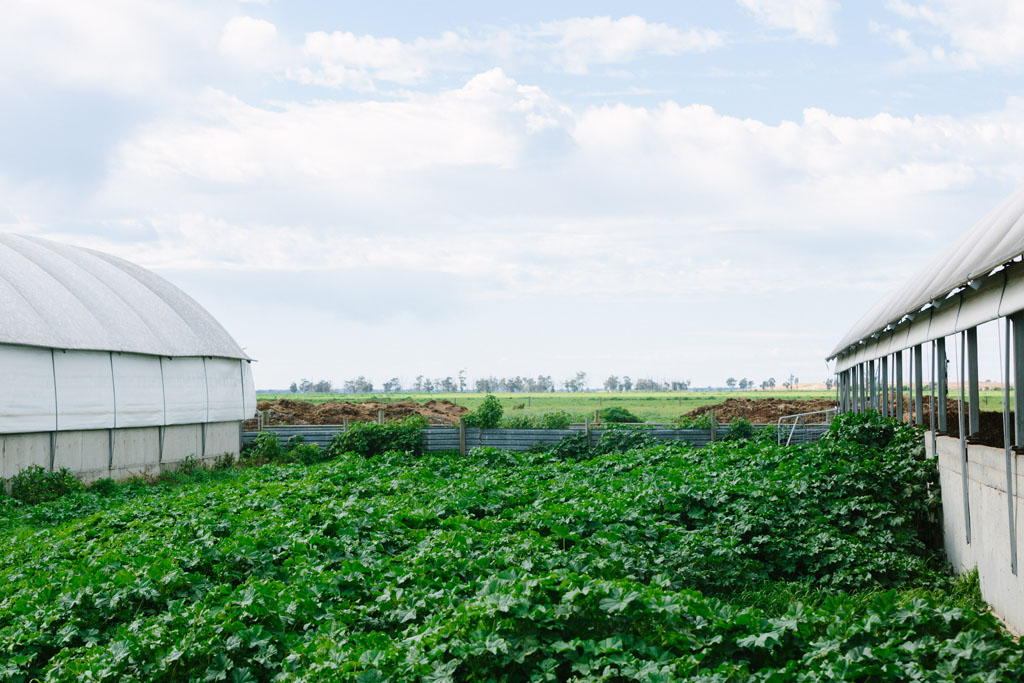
991,422
765,410
285,411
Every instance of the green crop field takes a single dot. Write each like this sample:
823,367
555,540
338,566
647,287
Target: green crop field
625,562
659,406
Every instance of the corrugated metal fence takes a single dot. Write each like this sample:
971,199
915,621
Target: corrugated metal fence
447,438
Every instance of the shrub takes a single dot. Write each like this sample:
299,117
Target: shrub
487,416
369,439
868,429
617,414
103,487
266,448
223,461
519,422
307,454
558,419
622,439
574,447
36,484
694,422
740,429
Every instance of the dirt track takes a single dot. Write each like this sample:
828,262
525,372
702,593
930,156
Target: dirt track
285,411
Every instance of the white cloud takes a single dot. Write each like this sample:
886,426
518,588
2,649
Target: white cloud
663,191
811,19
122,46
250,41
976,33
582,42
344,59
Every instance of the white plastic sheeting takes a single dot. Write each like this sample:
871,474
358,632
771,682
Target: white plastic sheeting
995,240
27,399
138,390
85,390
248,390
63,297
44,390
185,395
224,385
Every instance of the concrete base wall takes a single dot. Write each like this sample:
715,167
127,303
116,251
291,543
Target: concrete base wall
989,547
118,453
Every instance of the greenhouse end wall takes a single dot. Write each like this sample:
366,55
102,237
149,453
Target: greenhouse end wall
93,454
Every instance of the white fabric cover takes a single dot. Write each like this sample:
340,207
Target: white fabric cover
919,328
185,397
994,240
982,305
1013,292
248,390
27,399
138,390
63,297
85,390
944,318
224,385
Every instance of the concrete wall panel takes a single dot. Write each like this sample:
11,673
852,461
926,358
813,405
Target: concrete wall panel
182,441
222,437
23,450
989,549
84,451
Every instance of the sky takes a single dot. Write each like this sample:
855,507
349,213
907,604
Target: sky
673,190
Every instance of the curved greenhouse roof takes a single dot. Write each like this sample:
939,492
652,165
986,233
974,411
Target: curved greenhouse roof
65,297
959,281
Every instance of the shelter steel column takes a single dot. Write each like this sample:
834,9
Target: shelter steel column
943,387
974,403
963,441
1010,498
919,383
899,385
1018,378
855,385
863,387
872,386
884,374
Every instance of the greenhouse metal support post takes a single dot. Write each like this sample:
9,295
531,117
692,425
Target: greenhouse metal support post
973,401
1018,378
1012,526
940,350
899,385
963,442
885,385
918,387
872,386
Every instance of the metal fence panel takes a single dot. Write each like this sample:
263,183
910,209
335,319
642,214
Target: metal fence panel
447,438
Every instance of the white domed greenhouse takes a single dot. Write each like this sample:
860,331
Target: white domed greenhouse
108,369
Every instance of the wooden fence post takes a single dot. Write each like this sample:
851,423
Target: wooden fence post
380,417
586,426
714,426
462,437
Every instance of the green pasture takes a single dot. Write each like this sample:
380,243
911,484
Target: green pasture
650,406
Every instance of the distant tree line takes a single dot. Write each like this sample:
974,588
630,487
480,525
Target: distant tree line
519,384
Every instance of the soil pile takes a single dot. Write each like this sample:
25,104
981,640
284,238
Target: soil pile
766,410
990,432
285,411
